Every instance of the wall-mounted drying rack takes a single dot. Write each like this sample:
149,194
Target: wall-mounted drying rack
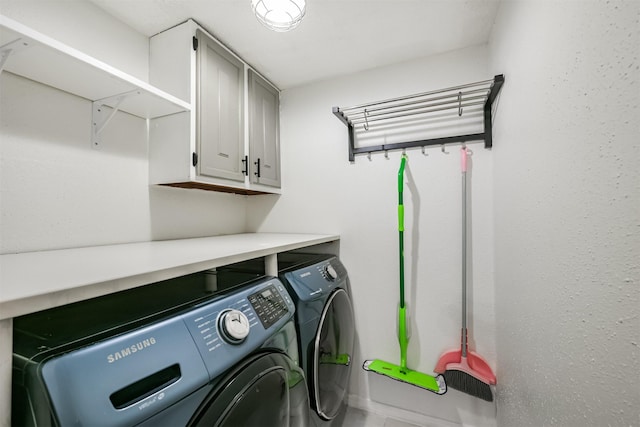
472,98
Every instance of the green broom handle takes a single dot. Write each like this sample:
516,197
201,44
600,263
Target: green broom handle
401,226
402,318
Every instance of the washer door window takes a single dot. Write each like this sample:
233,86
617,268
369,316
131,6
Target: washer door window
266,390
333,350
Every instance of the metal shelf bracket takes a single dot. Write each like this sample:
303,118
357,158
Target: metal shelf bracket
12,47
103,111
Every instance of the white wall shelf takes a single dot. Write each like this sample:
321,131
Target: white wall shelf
35,281
28,53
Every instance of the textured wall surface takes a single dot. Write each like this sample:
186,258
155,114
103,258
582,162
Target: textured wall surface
567,213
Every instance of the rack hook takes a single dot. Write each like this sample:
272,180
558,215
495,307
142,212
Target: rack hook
423,152
366,122
386,154
369,155
442,149
459,104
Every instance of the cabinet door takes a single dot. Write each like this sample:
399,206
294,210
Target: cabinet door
264,130
220,136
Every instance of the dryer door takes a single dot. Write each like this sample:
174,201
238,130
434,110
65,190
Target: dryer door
268,389
333,353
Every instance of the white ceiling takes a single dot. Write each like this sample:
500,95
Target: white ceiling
336,36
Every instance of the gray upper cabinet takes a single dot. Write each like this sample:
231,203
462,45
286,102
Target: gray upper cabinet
264,131
220,111
232,127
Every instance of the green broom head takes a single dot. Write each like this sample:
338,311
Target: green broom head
433,384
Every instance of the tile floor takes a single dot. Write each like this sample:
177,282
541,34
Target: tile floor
359,418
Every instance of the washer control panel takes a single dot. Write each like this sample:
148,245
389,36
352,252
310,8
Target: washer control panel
230,327
268,305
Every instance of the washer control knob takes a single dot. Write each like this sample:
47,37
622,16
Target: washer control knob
234,326
330,273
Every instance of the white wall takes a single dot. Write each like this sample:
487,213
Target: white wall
55,190
323,192
567,213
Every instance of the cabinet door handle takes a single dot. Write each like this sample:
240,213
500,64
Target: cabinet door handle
257,172
245,166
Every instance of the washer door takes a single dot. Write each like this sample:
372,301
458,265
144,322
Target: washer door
333,352
267,390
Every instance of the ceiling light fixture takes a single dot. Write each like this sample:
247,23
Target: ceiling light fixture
279,15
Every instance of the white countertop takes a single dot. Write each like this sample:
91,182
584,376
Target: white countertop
35,281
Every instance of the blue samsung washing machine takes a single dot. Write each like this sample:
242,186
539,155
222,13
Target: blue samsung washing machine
188,351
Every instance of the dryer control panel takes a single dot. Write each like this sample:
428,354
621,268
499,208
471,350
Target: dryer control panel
228,329
317,281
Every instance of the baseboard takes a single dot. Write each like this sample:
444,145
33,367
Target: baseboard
388,411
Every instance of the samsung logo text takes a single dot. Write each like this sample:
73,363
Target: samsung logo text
128,351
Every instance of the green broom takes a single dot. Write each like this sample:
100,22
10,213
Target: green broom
391,370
